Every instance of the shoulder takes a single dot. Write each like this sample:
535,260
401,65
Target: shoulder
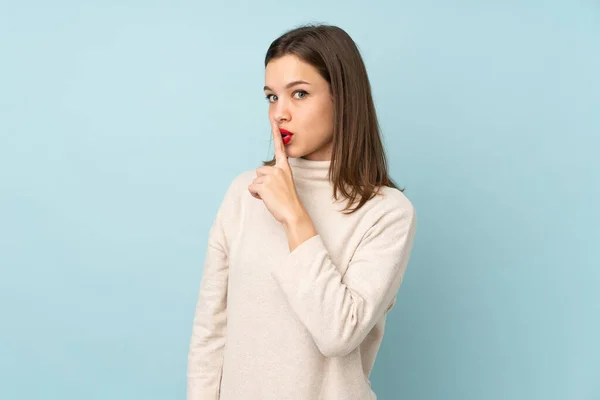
240,182
389,226
389,217
394,204
395,198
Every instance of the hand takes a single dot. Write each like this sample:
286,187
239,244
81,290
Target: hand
275,185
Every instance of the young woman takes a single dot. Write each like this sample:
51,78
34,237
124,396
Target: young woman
297,283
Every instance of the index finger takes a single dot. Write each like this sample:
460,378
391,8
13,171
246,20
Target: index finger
280,156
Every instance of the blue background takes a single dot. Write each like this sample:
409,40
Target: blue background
123,123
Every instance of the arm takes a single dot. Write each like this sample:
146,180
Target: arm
340,311
205,357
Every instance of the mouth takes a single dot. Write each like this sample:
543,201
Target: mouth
285,132
286,135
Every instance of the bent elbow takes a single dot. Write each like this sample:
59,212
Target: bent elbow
336,347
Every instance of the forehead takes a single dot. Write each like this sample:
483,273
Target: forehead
290,68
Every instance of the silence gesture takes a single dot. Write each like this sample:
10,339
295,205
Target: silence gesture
275,185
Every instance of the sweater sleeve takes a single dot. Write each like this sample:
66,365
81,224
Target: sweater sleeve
339,311
205,356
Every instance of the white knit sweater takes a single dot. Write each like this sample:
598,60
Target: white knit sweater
275,325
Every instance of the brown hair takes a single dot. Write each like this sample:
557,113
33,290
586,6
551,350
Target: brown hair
358,162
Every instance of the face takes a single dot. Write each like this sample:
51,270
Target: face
300,101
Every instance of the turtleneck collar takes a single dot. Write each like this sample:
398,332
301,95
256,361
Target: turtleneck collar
309,169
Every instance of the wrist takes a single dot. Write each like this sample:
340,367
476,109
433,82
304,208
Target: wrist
295,218
299,228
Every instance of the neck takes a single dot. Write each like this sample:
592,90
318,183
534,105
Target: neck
309,169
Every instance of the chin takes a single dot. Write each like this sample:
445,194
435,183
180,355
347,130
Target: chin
290,151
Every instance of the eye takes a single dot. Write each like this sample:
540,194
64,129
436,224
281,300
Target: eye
268,97
302,92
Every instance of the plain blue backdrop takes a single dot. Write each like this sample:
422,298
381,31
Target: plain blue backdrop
123,123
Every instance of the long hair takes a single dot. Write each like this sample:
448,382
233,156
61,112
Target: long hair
358,163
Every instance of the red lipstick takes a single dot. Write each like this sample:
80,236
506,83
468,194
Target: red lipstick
286,135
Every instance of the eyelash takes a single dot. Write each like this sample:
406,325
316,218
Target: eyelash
297,91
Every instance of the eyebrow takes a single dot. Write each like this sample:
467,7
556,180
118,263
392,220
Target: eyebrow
289,85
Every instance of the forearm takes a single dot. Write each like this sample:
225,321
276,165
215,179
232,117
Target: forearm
207,344
299,228
340,310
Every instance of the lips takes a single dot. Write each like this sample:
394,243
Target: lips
286,136
285,132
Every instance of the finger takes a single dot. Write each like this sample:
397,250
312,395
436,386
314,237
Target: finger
279,147
253,191
264,170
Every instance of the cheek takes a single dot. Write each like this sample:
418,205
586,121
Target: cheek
320,124
321,113
326,115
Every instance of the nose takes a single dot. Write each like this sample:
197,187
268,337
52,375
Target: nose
282,113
